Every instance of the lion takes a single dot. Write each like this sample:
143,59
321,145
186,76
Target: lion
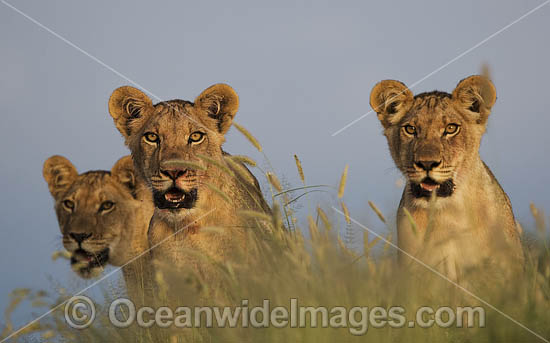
103,217
453,214
177,150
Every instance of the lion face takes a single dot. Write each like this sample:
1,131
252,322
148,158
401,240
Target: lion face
167,140
94,211
434,136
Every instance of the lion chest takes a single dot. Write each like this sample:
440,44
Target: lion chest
447,239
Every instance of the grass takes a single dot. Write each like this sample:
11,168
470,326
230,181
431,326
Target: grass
314,265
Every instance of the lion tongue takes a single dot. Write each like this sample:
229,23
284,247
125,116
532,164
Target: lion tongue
429,186
83,256
174,195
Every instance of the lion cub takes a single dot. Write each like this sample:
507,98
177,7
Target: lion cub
103,216
176,146
434,139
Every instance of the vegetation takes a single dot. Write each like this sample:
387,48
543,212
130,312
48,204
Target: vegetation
315,266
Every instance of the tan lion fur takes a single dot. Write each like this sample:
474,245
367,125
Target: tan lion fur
474,227
177,236
122,229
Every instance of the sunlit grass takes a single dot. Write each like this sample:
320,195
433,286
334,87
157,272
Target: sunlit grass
316,266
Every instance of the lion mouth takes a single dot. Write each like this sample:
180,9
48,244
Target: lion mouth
427,186
175,198
84,262
174,195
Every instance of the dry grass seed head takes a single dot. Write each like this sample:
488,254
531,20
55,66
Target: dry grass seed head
342,185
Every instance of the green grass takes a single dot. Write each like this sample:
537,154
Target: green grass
317,269
322,272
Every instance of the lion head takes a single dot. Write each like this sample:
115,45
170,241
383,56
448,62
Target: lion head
167,141
102,216
434,137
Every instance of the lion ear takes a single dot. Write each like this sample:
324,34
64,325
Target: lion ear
123,173
128,106
60,174
390,100
476,95
220,102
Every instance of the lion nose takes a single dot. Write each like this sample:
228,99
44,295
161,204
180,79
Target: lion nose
427,165
80,237
174,174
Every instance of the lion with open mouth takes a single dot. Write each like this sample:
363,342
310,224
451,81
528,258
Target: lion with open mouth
176,146
103,217
463,218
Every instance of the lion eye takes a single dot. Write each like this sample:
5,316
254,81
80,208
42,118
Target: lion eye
68,205
196,137
106,206
451,129
409,129
151,138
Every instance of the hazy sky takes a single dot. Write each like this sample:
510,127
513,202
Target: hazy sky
303,70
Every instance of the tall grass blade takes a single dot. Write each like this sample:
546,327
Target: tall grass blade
377,211
411,220
324,218
342,185
274,181
248,136
300,170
